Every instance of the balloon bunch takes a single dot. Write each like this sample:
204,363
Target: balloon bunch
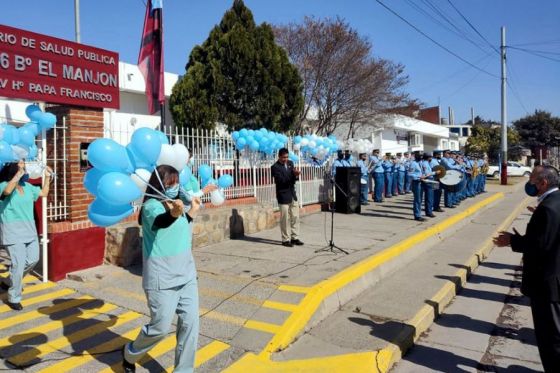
314,149
19,143
360,146
262,140
217,196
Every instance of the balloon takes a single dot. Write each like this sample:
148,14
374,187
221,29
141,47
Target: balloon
243,132
33,112
47,120
241,142
21,151
225,181
141,177
181,156
146,145
26,136
6,152
304,142
254,146
162,137
33,127
166,156
185,176
103,214
297,139
235,135
108,156
117,188
297,146
34,170
91,179
205,172
217,197
33,151
205,182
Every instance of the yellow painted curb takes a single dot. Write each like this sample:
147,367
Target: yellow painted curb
319,292
428,313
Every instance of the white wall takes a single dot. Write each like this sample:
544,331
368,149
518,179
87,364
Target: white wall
389,143
13,111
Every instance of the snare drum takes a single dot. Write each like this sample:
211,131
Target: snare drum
452,181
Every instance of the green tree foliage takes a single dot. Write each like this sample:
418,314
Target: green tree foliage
539,129
486,138
240,77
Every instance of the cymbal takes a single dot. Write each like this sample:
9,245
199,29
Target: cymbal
441,169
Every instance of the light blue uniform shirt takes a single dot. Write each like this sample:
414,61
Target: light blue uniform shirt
17,224
166,252
427,169
414,170
363,169
388,166
377,164
338,163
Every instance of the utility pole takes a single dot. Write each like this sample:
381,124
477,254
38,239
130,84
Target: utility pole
503,177
472,116
77,20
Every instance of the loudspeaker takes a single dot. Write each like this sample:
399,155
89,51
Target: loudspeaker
348,181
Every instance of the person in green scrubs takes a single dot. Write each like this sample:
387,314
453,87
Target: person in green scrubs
169,273
17,225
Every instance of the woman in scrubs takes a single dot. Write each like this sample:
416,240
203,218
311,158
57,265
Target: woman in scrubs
169,273
17,225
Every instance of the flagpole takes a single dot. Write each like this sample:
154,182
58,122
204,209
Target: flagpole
162,111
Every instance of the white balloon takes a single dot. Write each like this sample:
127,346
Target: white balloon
21,151
297,146
141,177
34,170
181,156
217,197
304,142
166,156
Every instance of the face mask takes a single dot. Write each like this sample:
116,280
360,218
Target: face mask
172,192
24,178
531,189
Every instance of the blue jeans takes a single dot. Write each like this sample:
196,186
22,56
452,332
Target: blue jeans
23,256
363,193
416,187
401,182
388,184
428,198
395,190
408,182
379,185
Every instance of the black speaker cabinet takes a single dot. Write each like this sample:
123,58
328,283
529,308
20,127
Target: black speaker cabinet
348,190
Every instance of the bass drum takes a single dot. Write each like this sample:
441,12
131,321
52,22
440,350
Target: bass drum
452,181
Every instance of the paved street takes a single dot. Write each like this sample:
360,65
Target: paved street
258,297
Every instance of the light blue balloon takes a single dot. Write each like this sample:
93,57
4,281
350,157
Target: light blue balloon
108,156
33,127
254,146
26,136
33,151
146,145
185,175
241,142
205,172
33,112
104,215
117,188
6,152
297,139
249,139
225,181
207,182
162,137
235,135
243,132
46,121
91,179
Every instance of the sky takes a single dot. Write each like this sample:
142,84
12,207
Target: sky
436,76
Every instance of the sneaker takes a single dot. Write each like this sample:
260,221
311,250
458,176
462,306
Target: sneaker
296,242
287,244
15,306
127,367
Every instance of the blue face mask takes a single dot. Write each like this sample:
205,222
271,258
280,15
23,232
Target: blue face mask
531,189
172,192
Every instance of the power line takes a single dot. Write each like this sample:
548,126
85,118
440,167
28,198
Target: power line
474,28
467,83
534,53
434,41
553,41
513,86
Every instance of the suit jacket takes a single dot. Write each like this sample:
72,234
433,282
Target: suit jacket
285,181
541,251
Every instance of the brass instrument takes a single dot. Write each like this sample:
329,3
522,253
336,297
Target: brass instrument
484,168
475,170
441,173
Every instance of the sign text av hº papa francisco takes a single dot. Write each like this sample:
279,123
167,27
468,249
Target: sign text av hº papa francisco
42,68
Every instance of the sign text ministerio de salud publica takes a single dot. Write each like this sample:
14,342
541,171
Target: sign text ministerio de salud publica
37,67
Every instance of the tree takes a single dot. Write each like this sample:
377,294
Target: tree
539,130
486,138
239,77
342,81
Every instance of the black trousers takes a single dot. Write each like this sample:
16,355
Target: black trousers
546,318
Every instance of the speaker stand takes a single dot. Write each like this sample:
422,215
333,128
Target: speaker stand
331,247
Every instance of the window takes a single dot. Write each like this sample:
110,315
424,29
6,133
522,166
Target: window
455,130
465,131
444,144
416,139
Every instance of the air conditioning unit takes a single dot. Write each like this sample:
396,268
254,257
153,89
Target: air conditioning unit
415,139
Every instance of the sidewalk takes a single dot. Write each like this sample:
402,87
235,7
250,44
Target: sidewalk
255,294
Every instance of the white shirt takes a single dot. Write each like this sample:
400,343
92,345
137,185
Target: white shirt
545,194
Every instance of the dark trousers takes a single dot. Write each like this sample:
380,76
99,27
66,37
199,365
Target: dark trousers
546,318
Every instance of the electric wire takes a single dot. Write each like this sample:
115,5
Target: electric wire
528,51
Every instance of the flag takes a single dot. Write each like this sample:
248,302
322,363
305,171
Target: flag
150,59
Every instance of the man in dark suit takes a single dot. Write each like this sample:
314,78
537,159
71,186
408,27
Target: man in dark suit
285,177
541,263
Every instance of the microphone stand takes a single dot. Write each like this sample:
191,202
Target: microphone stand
332,246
